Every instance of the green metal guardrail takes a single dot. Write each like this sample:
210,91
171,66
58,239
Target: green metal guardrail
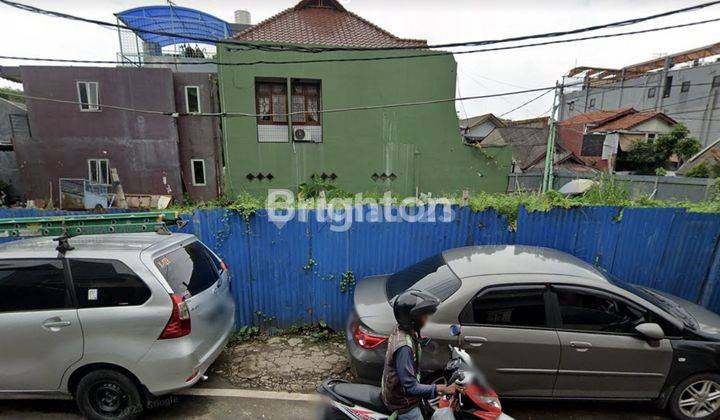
69,226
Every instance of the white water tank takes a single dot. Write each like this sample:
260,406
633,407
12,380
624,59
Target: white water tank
242,16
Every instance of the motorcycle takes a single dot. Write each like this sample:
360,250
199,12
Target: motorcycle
479,401
363,402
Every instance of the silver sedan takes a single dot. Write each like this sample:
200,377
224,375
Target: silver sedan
545,324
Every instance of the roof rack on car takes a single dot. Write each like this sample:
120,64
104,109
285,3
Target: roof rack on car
65,227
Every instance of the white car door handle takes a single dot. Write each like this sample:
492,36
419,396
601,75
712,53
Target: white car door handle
580,346
55,324
475,341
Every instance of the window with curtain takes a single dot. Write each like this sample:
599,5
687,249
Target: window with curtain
271,103
306,102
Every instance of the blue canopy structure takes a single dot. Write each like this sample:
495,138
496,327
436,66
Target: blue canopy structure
175,19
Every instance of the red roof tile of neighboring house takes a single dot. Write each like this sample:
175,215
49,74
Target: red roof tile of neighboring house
629,121
534,122
597,117
324,22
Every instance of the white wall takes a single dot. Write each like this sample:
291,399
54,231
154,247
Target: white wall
481,130
698,109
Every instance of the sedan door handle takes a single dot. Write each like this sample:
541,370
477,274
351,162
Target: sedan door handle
54,324
580,346
475,341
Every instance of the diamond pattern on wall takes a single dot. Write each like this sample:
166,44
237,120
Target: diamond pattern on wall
383,177
260,176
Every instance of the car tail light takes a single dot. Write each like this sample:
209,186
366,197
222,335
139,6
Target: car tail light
179,323
224,268
365,338
191,377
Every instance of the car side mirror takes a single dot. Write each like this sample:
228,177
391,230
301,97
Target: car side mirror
651,330
454,330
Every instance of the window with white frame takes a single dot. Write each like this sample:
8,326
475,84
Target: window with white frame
192,99
198,171
99,171
88,96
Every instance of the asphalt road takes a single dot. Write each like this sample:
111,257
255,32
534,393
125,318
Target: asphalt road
180,408
185,407
201,408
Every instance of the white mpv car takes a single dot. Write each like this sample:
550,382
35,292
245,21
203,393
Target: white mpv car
113,321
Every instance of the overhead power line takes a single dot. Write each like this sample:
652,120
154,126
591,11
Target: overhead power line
250,45
376,58
288,114
626,22
545,90
64,101
525,103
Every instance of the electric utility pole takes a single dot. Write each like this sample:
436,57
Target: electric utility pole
547,182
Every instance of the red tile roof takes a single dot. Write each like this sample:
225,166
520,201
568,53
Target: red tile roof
629,121
597,117
326,25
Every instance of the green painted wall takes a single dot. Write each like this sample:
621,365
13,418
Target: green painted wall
421,145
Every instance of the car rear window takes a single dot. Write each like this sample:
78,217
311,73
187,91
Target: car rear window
188,270
430,275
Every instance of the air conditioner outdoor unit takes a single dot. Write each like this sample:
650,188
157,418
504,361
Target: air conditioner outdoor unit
299,134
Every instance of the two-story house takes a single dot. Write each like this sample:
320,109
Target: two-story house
599,137
406,149
13,125
86,121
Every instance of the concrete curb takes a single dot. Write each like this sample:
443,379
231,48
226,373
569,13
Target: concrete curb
248,393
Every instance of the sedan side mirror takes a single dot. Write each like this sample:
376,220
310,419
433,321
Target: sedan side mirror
651,330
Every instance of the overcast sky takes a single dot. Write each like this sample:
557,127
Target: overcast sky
26,34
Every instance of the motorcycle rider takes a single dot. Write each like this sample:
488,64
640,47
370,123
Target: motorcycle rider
401,387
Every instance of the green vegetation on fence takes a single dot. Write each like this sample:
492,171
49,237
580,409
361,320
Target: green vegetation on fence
607,192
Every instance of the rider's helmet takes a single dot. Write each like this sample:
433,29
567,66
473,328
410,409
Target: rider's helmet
411,305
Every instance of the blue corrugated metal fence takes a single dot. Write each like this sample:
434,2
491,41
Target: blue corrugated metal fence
294,274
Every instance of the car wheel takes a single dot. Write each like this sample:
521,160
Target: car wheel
107,394
697,397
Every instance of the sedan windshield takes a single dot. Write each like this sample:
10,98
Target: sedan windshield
656,299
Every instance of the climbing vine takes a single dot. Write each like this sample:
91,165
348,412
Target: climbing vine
347,281
310,264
